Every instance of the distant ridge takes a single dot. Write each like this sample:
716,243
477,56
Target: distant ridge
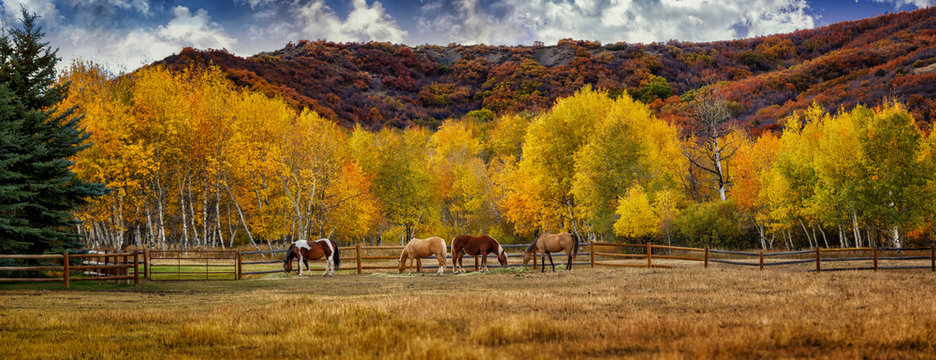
381,84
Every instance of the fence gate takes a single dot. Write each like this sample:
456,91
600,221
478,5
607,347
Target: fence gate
192,265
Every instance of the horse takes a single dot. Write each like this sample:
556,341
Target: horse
476,245
550,243
314,250
419,248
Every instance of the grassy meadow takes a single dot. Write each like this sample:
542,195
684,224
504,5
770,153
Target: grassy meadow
595,313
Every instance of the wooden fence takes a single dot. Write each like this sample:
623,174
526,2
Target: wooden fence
232,265
366,257
865,258
100,266
192,265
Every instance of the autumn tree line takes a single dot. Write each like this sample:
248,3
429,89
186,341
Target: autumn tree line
192,161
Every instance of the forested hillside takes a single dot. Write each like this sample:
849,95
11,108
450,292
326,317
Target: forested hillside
660,142
382,84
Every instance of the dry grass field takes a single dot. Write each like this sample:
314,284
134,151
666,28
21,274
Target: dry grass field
586,313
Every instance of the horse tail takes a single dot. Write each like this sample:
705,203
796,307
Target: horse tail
336,256
441,240
576,241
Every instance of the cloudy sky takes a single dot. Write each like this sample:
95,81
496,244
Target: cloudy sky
125,34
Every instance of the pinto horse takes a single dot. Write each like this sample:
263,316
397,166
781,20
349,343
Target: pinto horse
476,245
547,244
313,250
419,248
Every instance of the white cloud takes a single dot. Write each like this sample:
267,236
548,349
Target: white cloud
901,3
128,50
363,23
522,21
45,9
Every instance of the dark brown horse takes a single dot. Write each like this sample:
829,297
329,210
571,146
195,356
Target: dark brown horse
476,245
313,250
547,244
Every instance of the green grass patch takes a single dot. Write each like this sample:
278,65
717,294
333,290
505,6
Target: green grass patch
392,275
512,270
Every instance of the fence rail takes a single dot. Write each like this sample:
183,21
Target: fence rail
230,264
109,267
820,255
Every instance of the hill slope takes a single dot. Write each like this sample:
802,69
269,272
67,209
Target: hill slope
381,84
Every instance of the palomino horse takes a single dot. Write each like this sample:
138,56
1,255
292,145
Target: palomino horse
547,244
476,245
420,248
313,250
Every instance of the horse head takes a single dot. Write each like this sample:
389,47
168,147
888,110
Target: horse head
501,255
287,262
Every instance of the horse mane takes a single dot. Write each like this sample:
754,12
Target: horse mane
289,252
532,245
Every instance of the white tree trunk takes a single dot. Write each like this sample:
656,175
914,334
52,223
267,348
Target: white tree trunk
896,238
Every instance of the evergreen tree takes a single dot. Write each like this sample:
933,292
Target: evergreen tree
38,140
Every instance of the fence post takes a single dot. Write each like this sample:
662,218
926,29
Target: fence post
706,256
240,265
933,258
591,253
762,260
874,250
649,254
146,264
136,268
65,271
357,256
818,260
126,271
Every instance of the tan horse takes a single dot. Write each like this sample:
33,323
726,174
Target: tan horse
547,244
419,248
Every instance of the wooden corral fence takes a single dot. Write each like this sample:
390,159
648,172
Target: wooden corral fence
865,258
192,265
233,265
365,257
89,267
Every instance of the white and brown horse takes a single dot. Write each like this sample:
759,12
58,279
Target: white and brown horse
547,244
476,245
304,251
419,248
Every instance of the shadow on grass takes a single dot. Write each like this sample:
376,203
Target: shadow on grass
75,285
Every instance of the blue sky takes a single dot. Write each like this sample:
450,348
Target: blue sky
125,34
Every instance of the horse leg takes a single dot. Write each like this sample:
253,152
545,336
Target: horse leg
301,261
484,267
441,264
551,262
543,262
